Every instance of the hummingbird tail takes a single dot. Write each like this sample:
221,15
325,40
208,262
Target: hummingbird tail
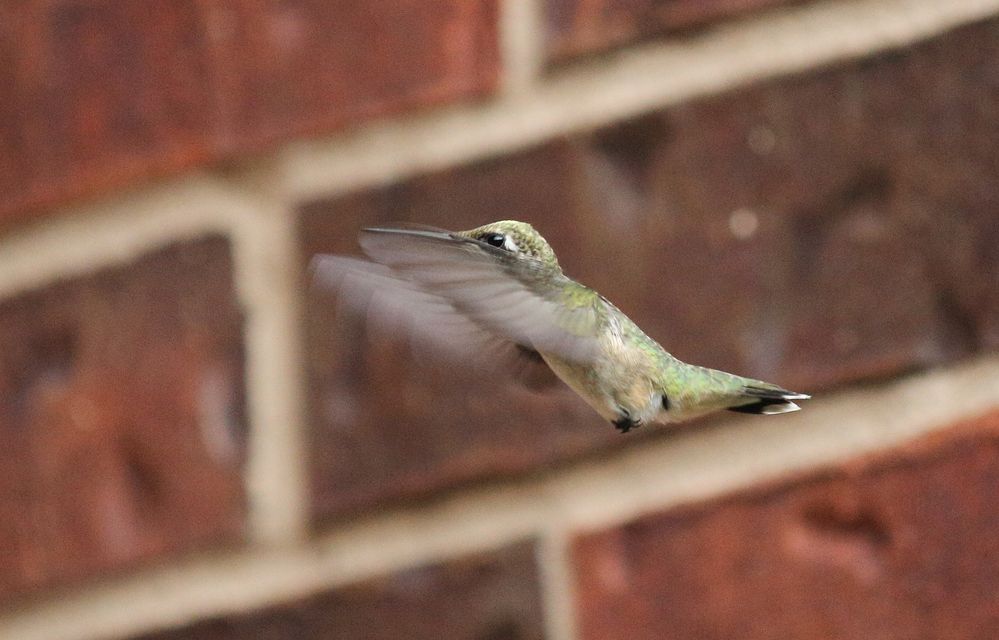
761,400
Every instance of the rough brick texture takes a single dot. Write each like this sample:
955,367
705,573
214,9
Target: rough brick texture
315,65
101,93
577,27
490,596
121,417
95,94
898,546
811,231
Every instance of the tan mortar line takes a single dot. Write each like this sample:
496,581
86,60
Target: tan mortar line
114,232
126,226
556,579
614,86
699,464
269,277
521,45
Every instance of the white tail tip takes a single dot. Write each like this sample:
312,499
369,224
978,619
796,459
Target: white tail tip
786,407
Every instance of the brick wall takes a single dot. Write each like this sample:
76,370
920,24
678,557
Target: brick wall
192,447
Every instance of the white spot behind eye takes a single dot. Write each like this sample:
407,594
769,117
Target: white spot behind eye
510,245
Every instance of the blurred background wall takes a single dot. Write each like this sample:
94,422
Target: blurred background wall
194,445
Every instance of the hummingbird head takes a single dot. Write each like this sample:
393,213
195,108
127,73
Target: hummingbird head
516,237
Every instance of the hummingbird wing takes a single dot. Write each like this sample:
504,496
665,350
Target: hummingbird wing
515,296
437,330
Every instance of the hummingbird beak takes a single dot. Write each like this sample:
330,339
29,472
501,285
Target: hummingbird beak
432,234
435,235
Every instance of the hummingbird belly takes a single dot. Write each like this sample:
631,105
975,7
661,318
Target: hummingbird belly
616,385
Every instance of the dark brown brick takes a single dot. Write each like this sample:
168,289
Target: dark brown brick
578,27
121,417
490,596
901,545
863,203
96,94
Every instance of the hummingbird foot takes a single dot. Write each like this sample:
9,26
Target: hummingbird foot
625,423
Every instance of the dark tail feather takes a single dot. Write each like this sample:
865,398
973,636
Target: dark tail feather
765,401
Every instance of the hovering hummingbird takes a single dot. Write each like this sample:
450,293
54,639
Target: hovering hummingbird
497,293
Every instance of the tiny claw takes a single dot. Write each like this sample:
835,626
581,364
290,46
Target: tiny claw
624,424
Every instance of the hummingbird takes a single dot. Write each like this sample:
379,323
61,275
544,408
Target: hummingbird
497,294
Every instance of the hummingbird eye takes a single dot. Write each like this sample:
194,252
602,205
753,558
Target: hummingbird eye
494,239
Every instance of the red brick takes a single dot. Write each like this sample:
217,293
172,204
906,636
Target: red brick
871,183
121,417
97,94
305,66
579,27
489,596
871,255
901,545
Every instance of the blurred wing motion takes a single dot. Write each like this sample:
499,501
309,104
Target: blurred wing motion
434,328
518,299
468,301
